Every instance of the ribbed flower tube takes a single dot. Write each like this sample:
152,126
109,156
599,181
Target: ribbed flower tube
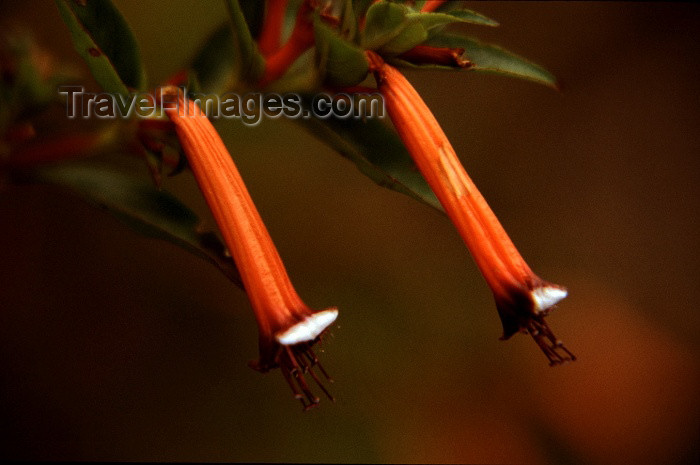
522,298
287,326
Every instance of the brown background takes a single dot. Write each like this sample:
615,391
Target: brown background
116,347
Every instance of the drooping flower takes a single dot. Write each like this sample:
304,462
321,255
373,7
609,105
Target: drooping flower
523,299
288,328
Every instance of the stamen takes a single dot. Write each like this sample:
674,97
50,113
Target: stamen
323,388
298,374
288,378
540,332
318,364
296,361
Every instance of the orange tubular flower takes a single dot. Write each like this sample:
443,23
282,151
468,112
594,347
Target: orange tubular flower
522,298
288,328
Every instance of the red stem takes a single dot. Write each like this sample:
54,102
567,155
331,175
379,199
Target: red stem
302,39
270,36
431,5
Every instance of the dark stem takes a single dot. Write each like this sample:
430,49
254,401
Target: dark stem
429,55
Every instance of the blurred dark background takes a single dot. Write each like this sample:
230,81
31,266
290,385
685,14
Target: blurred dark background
117,347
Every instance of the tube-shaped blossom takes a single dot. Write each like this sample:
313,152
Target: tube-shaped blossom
287,326
522,298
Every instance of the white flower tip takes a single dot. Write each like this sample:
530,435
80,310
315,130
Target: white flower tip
547,296
309,328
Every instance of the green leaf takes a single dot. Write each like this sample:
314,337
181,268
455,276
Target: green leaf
104,40
144,208
494,59
471,16
401,63
384,21
414,33
214,66
392,29
250,64
376,150
340,63
433,20
348,21
453,6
